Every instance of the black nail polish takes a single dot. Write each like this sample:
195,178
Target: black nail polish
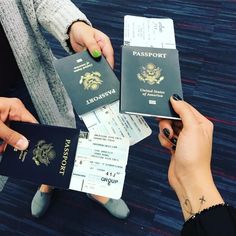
176,97
173,148
1,141
166,132
174,140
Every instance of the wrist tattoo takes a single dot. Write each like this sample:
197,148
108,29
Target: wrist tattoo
188,207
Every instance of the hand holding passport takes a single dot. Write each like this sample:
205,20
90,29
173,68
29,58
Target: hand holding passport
69,159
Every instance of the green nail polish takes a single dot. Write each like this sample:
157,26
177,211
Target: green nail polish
96,53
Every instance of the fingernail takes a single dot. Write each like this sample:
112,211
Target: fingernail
96,53
22,143
174,140
1,141
166,132
176,97
173,148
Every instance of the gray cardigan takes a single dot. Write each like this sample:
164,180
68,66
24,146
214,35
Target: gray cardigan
21,20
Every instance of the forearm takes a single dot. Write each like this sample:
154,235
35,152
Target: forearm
57,16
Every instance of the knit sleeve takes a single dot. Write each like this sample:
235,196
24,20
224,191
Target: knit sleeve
218,220
57,16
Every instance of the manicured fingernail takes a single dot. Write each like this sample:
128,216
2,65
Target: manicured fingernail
166,132
176,97
22,143
174,140
1,141
96,53
173,148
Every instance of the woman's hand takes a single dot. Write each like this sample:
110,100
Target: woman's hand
84,36
190,144
13,109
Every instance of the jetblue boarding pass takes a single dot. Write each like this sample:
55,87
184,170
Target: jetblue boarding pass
100,165
109,121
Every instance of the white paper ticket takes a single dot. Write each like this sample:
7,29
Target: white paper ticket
100,165
149,32
107,120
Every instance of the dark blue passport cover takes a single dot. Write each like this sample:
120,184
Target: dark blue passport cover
49,159
89,82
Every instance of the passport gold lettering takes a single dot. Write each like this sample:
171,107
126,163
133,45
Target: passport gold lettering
100,96
65,157
152,92
23,155
149,54
82,66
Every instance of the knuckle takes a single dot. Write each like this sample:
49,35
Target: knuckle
17,102
17,109
209,124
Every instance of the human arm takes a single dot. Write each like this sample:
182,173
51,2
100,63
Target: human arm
57,16
189,172
12,109
68,24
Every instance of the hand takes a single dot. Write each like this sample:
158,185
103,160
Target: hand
13,109
84,36
189,171
194,142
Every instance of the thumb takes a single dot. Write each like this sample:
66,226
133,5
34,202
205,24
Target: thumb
12,137
183,109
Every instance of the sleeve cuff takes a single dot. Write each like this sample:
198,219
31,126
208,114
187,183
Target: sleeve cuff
58,20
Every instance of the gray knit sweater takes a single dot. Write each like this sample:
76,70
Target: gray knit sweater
21,20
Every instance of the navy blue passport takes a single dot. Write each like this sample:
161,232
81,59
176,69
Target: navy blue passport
89,82
149,77
49,159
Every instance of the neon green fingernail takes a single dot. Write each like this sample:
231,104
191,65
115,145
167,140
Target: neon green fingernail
96,53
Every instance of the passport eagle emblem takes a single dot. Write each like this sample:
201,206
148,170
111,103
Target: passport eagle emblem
43,153
150,74
91,81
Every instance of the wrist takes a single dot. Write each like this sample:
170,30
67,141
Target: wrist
70,32
76,24
196,195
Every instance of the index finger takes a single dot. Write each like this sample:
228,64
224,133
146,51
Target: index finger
108,52
105,44
18,112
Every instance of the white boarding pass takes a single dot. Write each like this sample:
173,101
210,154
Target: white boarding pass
100,165
107,120
149,32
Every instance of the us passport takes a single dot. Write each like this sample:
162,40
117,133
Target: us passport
68,159
149,77
89,82
49,158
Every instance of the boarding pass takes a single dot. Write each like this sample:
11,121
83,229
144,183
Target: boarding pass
109,121
149,32
100,165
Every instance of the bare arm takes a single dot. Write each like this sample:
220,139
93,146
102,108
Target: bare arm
189,171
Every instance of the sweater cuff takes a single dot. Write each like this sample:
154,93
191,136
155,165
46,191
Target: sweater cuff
61,19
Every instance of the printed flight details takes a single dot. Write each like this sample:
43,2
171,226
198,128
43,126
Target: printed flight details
100,169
